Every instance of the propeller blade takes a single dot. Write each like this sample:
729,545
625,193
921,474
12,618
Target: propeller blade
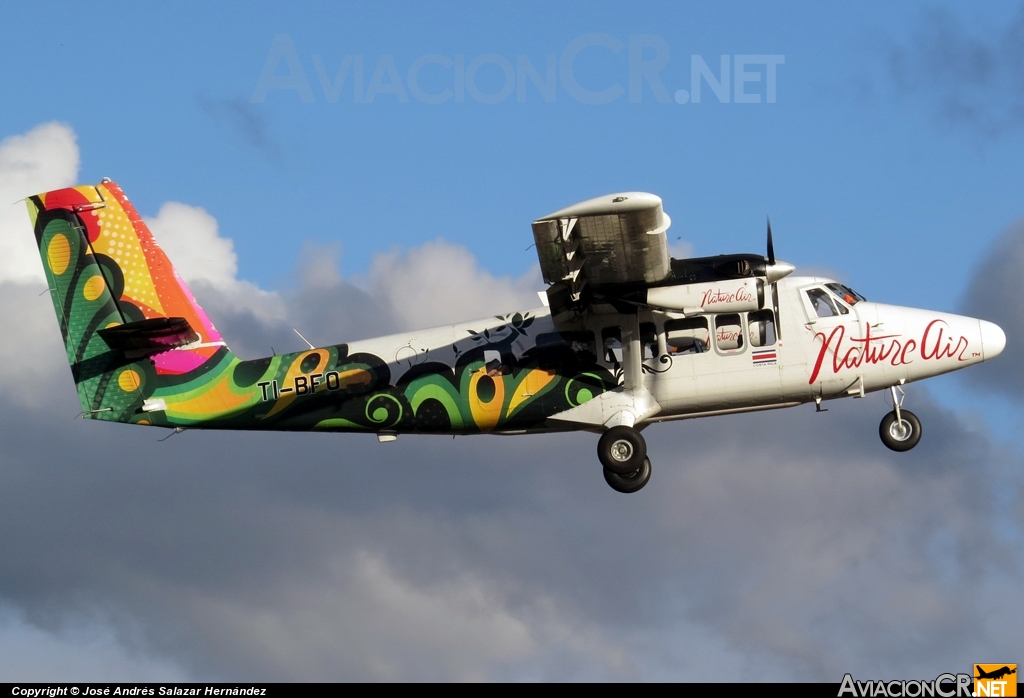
775,285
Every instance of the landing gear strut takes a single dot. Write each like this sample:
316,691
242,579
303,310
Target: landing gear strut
623,453
900,430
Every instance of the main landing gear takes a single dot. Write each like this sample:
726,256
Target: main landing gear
900,429
623,453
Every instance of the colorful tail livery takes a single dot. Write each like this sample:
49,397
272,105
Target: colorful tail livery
142,350
121,306
628,337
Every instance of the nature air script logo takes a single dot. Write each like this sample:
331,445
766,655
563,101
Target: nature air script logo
936,343
717,296
995,679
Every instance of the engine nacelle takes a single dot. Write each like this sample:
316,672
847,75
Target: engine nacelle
730,296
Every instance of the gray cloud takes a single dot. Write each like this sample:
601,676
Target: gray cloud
46,157
994,295
428,286
965,80
789,542
325,311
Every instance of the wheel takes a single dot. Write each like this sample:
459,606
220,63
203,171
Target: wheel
632,482
622,450
902,435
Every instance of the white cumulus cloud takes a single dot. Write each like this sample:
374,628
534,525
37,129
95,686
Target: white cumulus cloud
206,261
189,236
42,159
441,283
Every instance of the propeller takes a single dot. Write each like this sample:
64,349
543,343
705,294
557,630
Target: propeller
773,272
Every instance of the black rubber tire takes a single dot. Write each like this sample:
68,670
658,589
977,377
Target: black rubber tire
632,482
622,450
889,432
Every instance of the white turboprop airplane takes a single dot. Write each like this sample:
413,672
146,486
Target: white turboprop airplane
627,337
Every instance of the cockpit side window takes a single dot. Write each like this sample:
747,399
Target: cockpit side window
822,303
847,294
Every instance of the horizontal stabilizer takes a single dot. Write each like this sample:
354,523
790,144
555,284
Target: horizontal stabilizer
154,334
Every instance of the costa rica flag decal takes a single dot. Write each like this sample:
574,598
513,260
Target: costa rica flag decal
763,357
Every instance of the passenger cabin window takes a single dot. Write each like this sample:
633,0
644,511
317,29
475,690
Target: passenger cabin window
493,365
687,336
728,332
761,326
611,340
822,303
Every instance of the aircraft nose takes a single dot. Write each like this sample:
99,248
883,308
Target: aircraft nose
993,339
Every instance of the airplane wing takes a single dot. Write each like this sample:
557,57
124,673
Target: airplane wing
607,241
613,251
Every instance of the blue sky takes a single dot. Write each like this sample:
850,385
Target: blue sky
858,174
862,171
891,157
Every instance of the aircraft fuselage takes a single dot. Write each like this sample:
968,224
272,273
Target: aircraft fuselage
632,337
518,373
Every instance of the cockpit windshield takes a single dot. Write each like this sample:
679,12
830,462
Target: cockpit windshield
847,294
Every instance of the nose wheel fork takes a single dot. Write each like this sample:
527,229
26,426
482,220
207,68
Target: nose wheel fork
900,429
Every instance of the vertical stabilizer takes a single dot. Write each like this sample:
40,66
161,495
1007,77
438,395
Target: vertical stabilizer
129,322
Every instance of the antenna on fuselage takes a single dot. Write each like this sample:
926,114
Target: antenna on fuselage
303,338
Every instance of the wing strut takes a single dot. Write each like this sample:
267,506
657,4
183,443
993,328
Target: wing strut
632,356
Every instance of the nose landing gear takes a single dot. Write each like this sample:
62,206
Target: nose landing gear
900,430
623,453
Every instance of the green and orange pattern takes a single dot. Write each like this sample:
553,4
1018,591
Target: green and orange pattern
105,269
